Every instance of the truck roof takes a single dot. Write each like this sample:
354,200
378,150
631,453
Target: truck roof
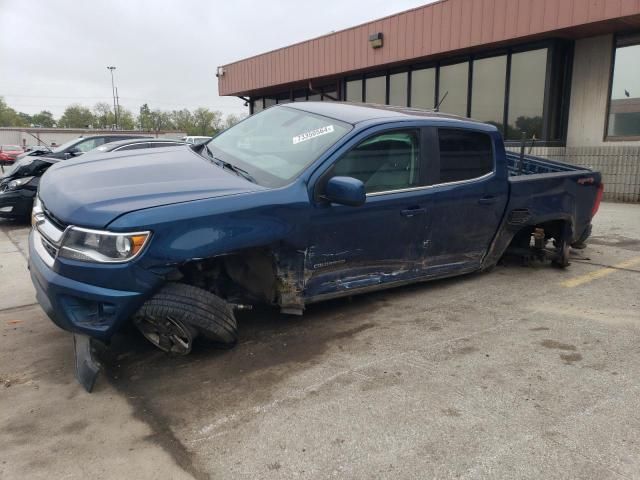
359,112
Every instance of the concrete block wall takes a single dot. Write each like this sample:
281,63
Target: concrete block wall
619,165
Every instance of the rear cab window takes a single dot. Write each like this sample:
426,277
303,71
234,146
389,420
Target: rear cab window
464,154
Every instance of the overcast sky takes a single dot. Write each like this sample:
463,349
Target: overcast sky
55,52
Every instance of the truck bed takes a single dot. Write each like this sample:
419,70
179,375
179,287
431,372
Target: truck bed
531,165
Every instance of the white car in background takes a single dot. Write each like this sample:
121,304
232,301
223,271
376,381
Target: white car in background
193,139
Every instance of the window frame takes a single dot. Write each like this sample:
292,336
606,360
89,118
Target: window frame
626,39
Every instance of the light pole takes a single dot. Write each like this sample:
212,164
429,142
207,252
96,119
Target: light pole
113,91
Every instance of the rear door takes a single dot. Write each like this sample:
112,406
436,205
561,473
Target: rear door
467,201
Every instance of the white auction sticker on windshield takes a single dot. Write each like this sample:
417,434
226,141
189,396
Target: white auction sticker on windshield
303,137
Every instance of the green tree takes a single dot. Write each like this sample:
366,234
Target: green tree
145,120
43,119
103,115
231,120
161,121
25,118
9,117
206,122
76,116
183,120
126,120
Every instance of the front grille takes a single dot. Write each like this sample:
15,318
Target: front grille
49,236
49,247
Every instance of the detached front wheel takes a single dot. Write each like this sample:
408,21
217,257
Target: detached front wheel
174,317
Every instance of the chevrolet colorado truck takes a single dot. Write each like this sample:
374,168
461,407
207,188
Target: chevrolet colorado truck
294,205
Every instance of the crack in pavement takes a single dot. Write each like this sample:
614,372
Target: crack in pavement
613,267
18,307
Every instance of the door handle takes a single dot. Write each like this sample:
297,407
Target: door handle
487,200
412,212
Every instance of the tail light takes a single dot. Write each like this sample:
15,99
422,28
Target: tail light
596,203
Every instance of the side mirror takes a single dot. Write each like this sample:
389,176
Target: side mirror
345,191
74,152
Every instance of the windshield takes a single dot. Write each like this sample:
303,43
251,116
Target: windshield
10,148
64,146
277,144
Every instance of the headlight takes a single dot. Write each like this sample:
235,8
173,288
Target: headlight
102,247
36,213
14,184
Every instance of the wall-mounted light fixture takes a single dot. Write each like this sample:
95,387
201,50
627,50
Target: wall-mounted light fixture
375,40
220,72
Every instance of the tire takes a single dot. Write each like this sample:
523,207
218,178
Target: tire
181,312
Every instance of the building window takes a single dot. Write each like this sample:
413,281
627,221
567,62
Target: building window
300,96
315,97
284,98
624,103
257,105
376,90
398,83
488,88
269,101
526,94
454,83
354,91
330,94
423,88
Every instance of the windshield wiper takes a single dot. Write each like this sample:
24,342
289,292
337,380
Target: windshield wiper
234,168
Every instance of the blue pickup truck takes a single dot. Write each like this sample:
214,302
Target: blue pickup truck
294,205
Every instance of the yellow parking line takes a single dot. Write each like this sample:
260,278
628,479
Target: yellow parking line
602,272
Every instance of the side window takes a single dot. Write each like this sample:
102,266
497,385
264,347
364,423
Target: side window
388,161
90,144
464,155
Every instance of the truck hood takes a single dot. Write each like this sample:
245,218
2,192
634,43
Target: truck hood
92,193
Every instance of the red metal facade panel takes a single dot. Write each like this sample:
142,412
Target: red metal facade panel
437,28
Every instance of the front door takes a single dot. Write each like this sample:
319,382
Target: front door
381,241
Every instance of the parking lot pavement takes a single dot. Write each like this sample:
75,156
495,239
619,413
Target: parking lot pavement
524,372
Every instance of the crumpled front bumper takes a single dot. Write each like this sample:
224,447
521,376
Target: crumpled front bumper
77,306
